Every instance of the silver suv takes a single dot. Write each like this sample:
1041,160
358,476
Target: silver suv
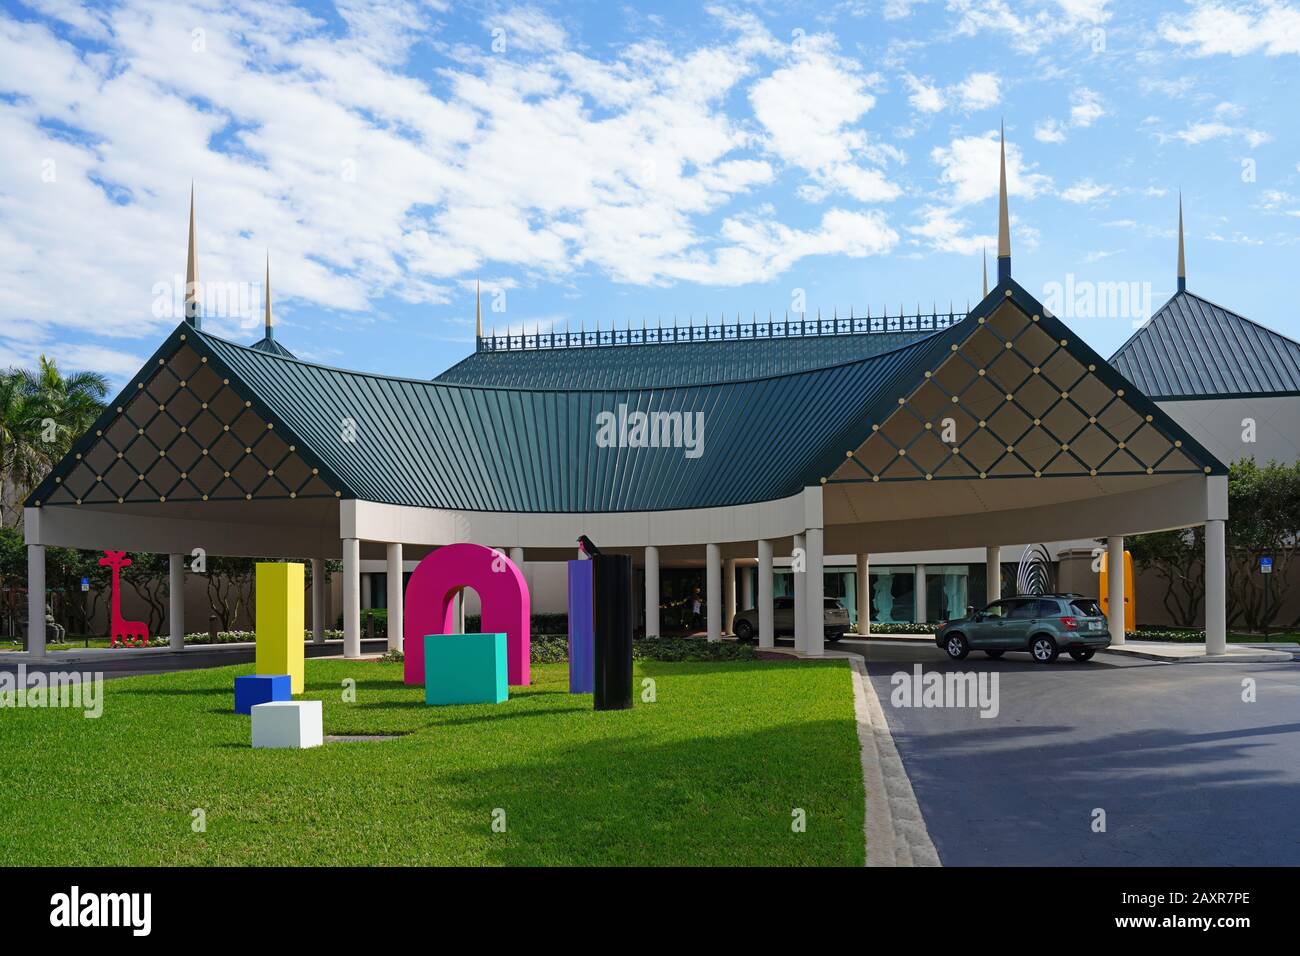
835,619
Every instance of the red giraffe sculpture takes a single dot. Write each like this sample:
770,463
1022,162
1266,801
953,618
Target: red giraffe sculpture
122,630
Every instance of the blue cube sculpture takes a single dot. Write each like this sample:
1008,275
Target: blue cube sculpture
261,689
465,669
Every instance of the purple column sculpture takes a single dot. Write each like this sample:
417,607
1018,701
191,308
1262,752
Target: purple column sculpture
581,629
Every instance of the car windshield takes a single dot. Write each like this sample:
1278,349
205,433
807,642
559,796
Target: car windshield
1086,607
833,605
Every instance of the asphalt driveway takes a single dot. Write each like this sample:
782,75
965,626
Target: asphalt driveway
1186,772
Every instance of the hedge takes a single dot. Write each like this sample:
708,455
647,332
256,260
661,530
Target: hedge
554,649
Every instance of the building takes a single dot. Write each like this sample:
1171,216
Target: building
721,446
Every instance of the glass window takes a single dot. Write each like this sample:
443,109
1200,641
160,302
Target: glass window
1023,610
1047,608
783,603
998,608
1086,607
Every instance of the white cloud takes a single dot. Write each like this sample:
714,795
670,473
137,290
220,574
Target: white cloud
1085,107
810,110
1049,131
925,97
1029,28
1085,191
946,231
977,91
1238,29
366,182
1206,130
969,166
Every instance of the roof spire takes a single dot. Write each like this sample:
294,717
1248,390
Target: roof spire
478,310
1004,217
986,271
1182,262
266,315
193,311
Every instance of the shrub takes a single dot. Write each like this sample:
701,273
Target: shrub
896,627
539,623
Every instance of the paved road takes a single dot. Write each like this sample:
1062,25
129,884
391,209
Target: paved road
1187,773
129,664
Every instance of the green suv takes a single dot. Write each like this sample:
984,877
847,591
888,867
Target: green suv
1042,624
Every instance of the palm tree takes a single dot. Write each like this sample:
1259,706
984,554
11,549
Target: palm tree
42,413
72,402
24,458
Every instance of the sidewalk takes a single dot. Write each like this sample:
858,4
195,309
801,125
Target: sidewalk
1179,653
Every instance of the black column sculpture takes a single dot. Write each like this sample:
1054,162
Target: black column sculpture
611,598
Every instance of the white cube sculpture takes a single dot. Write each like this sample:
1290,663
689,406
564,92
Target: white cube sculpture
295,724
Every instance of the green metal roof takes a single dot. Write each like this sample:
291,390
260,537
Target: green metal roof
534,450
467,447
1193,348
270,346
671,363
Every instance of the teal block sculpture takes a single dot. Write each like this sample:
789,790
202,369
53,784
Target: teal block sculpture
465,669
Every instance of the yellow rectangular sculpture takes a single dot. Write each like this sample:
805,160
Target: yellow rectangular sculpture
280,621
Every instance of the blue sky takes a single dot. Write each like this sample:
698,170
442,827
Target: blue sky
593,163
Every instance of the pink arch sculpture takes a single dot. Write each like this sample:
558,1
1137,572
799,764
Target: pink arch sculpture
502,591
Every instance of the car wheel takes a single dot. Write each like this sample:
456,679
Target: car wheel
834,637
744,631
1043,649
956,647
995,654
1082,654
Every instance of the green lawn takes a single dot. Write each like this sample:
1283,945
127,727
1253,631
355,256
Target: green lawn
709,774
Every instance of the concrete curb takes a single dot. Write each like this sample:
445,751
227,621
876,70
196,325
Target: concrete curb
896,834
1252,656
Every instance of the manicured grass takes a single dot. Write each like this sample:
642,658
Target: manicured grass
708,774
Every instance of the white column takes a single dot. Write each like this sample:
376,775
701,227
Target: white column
992,574
728,595
815,594
713,590
746,588
800,553
395,618
1115,587
319,601
36,600
351,597
918,611
651,591
1216,589
176,600
367,591
765,631
863,588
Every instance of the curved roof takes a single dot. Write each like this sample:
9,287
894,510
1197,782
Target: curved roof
670,364
1192,348
207,419
510,449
